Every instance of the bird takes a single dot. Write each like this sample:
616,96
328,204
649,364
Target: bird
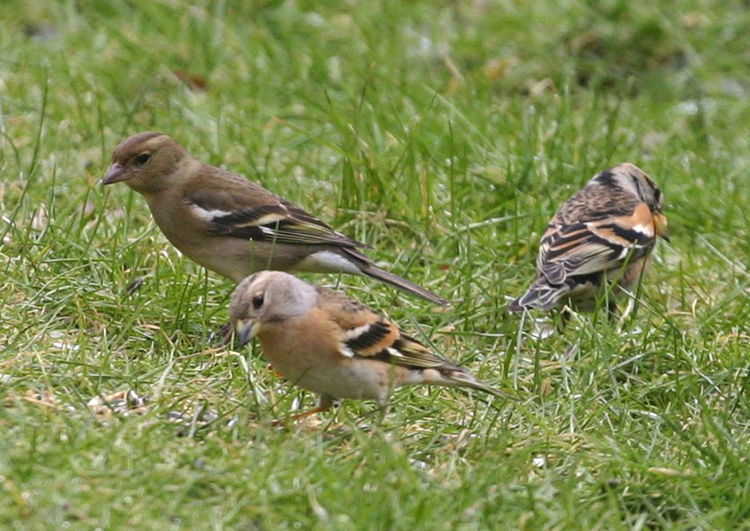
607,230
332,345
231,225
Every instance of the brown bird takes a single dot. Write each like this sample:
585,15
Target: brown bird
606,230
327,343
233,226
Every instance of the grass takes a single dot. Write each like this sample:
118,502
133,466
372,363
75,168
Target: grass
442,133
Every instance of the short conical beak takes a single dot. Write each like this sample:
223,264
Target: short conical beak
246,330
115,174
660,226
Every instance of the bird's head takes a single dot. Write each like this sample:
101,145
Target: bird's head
268,297
632,178
144,162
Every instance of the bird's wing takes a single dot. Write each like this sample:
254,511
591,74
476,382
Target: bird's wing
364,334
251,212
586,247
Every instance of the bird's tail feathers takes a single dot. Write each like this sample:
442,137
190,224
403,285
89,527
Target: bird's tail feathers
401,283
540,296
460,378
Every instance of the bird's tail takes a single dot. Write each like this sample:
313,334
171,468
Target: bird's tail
460,378
541,296
401,283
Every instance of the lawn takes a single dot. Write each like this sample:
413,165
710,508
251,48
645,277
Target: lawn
444,134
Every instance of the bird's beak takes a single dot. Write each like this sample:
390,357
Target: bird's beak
660,226
115,174
246,330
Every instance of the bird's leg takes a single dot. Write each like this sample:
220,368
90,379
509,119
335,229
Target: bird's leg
612,312
564,318
384,403
324,403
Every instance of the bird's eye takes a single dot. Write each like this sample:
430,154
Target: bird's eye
143,158
257,302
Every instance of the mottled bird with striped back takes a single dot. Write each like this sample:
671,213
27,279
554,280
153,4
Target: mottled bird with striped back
604,234
231,225
327,343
